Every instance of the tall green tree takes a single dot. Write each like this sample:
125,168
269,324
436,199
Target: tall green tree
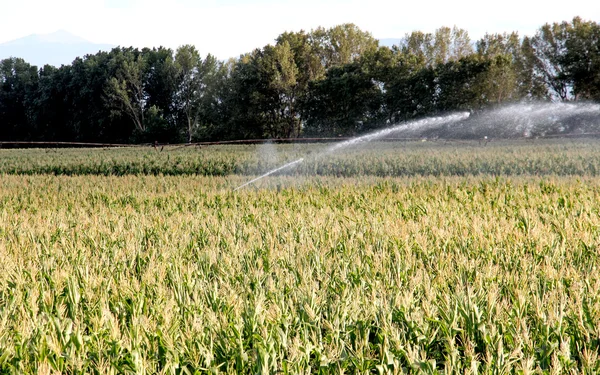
582,58
419,45
161,76
549,45
84,86
189,68
268,85
456,84
283,74
343,103
500,81
274,95
306,56
18,86
125,91
245,99
531,84
213,88
342,44
406,85
444,45
52,113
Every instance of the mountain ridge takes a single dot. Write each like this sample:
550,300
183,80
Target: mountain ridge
58,48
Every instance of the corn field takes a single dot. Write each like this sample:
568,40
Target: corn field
410,273
385,159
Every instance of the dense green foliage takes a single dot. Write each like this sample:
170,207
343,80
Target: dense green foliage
178,275
578,157
335,81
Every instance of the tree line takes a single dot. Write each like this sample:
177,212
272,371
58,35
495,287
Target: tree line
326,82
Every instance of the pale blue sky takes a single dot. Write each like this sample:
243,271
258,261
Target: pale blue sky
231,27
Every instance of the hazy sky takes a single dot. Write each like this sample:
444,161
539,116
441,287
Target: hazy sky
231,27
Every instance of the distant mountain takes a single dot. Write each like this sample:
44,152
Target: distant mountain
58,48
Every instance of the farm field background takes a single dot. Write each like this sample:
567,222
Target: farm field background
429,158
397,258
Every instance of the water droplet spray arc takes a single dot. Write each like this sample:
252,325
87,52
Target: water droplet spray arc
514,121
429,121
288,165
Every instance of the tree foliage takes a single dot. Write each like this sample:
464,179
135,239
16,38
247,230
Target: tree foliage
327,81
343,103
126,90
18,85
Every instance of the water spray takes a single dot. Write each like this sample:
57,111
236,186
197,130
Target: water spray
411,125
288,165
522,120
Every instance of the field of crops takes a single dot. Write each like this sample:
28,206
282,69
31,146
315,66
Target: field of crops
469,259
531,157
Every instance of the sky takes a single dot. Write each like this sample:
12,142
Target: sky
229,28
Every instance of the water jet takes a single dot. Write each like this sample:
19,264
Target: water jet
516,121
426,122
